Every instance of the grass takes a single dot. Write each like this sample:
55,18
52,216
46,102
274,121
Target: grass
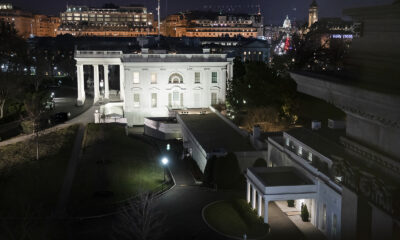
235,218
29,188
114,167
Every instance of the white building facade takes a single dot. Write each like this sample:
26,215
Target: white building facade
151,85
322,194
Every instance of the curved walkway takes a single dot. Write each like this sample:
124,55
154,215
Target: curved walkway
184,203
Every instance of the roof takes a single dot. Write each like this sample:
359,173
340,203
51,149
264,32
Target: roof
213,133
326,144
174,58
314,4
279,176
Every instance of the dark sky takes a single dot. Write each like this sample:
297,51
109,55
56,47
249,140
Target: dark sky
274,11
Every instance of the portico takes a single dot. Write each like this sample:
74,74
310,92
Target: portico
276,184
101,87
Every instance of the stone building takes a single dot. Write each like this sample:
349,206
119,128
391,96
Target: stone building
313,13
124,21
153,84
212,24
28,24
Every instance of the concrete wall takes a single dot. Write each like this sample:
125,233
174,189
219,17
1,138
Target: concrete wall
190,143
382,225
349,214
247,159
162,130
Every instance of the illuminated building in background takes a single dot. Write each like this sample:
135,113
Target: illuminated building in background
27,24
313,13
45,26
328,32
212,24
21,20
287,24
126,21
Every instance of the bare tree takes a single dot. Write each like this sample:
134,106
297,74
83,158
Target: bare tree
8,89
140,220
35,108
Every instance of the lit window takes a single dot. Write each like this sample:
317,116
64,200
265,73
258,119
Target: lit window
136,100
300,150
287,142
175,78
197,77
153,78
136,77
334,228
154,100
324,216
310,156
214,77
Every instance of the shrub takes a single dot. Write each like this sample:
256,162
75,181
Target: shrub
260,163
27,127
224,172
304,213
290,203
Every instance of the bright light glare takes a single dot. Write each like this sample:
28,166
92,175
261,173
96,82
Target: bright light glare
164,161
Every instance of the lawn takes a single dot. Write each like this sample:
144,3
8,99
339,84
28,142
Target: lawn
30,188
113,168
235,218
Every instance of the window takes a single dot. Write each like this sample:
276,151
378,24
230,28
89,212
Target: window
136,100
153,78
214,77
287,142
300,151
136,77
175,98
196,99
324,217
213,98
154,100
310,156
175,78
334,227
197,77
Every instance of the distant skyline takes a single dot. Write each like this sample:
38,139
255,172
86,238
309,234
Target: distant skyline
274,11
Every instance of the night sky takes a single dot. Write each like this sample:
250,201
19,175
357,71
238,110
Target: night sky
274,11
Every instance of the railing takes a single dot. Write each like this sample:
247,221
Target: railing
98,53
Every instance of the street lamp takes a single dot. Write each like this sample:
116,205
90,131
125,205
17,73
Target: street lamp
164,162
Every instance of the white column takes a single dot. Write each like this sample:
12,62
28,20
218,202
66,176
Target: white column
259,205
96,83
265,211
80,85
248,192
121,82
253,200
106,84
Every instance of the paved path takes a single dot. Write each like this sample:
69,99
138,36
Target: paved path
60,210
85,117
183,205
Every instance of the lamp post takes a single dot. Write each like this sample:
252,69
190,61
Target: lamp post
164,162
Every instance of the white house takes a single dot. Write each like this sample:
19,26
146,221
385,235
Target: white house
153,84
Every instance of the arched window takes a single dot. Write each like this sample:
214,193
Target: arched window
175,78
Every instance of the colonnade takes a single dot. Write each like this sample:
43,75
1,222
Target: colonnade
96,84
255,198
